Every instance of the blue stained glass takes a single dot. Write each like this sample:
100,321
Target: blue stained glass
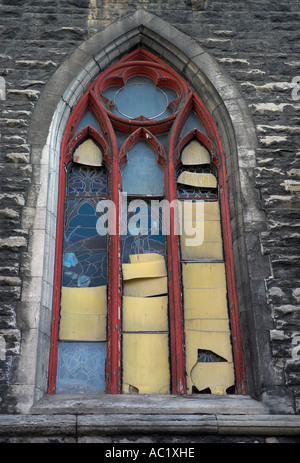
81,367
80,218
171,94
70,260
142,175
192,122
88,119
110,92
143,234
121,137
187,191
84,250
140,97
87,269
136,100
141,245
208,356
163,140
86,181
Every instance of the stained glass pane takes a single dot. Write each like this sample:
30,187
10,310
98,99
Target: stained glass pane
121,137
86,181
142,175
140,97
88,119
192,122
209,356
85,251
81,367
144,232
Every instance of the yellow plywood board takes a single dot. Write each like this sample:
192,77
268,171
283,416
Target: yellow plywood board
146,363
145,314
205,303
147,257
81,327
207,325
203,275
145,287
218,376
209,247
195,153
83,314
190,210
144,270
84,300
197,179
215,341
88,153
210,229
201,235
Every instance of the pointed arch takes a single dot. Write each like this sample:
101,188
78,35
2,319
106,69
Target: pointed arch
222,100
142,134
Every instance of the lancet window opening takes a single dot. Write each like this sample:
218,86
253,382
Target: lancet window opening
137,309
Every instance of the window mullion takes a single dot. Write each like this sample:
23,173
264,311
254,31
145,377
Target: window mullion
175,302
113,362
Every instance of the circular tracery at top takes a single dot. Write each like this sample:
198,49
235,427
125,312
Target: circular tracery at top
140,97
141,91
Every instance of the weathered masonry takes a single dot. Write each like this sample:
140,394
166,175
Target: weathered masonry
220,124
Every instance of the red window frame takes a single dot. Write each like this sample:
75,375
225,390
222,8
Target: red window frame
142,62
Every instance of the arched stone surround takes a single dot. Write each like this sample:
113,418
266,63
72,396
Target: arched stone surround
230,113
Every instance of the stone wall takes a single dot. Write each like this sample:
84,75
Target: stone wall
257,44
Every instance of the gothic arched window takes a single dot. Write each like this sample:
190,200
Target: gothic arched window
144,298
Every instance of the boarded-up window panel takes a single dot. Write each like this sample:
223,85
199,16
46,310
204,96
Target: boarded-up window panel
146,363
204,275
211,325
144,270
88,153
83,314
146,257
145,314
201,237
190,210
215,341
205,303
217,376
145,287
207,326
197,179
195,154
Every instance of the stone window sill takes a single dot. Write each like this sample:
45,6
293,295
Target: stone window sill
79,417
148,404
